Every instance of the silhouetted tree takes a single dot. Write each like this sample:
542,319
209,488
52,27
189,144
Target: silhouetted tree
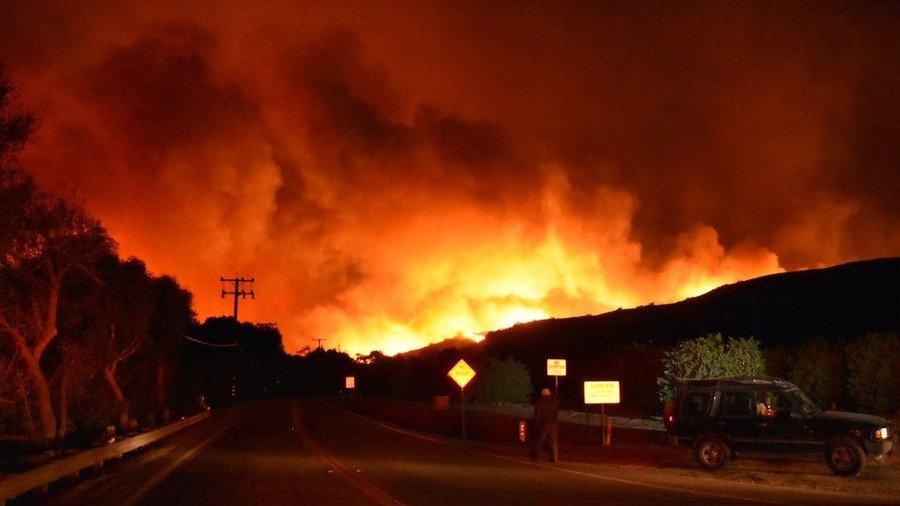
229,361
778,360
817,368
874,377
125,328
370,358
502,381
70,309
15,128
43,243
324,371
172,318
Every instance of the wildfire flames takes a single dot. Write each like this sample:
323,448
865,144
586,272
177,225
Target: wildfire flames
395,175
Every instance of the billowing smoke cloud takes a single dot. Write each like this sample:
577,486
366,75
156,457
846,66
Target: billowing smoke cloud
394,175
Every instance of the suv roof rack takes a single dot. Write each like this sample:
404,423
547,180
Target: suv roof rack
741,380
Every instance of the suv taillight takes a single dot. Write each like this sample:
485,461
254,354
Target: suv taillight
669,414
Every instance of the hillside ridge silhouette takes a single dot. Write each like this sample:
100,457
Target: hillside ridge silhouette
841,302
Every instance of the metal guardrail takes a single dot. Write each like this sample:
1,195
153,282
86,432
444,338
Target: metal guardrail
15,485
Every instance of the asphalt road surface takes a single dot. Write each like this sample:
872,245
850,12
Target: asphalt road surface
311,452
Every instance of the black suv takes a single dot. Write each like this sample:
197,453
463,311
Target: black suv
721,416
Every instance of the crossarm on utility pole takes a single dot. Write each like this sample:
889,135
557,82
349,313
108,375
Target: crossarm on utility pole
237,292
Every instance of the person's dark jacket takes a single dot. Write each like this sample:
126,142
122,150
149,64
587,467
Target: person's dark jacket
546,411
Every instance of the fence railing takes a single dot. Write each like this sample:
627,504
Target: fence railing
17,484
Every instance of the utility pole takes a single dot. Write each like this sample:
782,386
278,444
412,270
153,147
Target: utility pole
320,343
237,291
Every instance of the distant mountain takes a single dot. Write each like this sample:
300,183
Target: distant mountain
846,301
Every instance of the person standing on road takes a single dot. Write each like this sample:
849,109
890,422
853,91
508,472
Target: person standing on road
546,416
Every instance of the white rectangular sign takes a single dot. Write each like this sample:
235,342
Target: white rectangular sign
556,367
350,382
601,392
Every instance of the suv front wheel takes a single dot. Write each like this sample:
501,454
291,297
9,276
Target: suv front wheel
845,457
712,452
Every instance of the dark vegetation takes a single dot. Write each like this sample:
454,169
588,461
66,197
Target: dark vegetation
88,339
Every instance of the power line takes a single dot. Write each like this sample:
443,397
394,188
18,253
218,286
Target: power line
230,345
212,345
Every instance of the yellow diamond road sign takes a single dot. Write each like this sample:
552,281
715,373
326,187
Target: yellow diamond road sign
461,373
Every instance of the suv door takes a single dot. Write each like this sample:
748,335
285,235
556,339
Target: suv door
736,417
693,413
782,427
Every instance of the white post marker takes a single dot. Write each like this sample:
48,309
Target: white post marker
462,373
602,392
350,382
556,367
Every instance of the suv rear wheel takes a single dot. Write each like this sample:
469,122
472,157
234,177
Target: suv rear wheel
845,457
712,452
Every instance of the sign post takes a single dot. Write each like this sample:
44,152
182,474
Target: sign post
462,373
556,367
602,393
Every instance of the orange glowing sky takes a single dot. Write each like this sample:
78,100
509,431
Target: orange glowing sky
395,173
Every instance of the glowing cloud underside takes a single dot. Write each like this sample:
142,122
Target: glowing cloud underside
396,175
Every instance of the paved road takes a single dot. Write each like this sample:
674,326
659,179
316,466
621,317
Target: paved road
310,452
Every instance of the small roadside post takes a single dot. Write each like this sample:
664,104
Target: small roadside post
556,367
462,373
602,393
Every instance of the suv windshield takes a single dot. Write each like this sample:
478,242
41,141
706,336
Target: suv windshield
803,403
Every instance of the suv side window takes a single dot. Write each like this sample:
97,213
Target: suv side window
695,404
738,404
770,403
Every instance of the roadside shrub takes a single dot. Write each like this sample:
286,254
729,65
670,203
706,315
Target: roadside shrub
709,357
779,360
817,368
502,381
874,378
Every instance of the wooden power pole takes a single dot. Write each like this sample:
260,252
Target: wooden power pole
237,292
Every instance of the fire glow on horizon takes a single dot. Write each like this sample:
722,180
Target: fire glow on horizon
393,175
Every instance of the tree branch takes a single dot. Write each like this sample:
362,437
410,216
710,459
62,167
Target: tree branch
18,339
47,331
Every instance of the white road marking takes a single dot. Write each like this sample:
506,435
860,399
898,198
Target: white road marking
367,488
